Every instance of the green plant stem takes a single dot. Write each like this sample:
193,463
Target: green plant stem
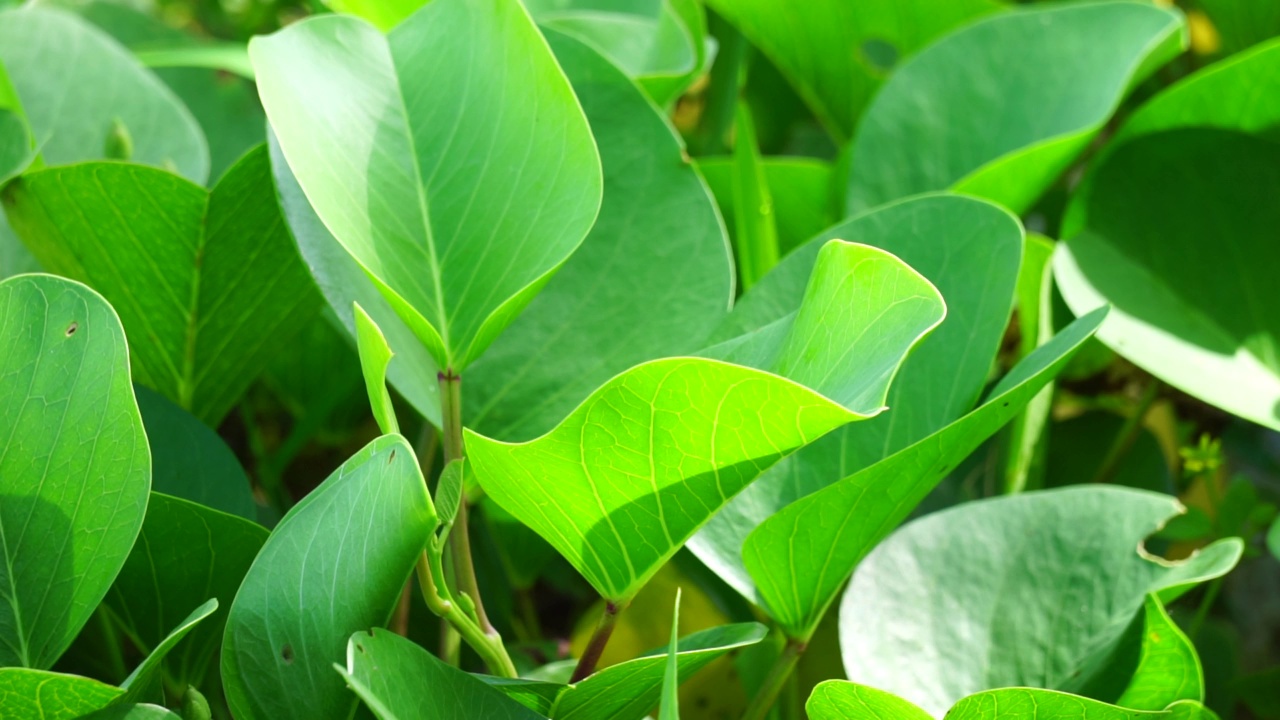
460,537
1128,434
711,135
782,668
488,646
1202,612
599,640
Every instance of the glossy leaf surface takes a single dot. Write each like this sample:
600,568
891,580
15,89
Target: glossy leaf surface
836,53
336,563
1168,669
209,284
381,667
969,249
1001,107
460,211
633,472
657,237
26,693
74,471
1028,598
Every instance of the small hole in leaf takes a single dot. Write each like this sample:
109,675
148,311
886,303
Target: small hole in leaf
1006,403
879,54
359,648
286,653
72,328
391,458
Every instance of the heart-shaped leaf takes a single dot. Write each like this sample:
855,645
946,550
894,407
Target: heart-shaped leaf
645,461
843,700
209,284
657,237
1011,592
1001,107
75,472
76,101
1195,314
26,693
801,556
185,554
835,52
190,461
458,181
336,563
398,680
969,249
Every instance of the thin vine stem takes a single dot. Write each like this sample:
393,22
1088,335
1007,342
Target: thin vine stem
1128,434
762,702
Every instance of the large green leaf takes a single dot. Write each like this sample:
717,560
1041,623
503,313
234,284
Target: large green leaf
1032,590
343,283
843,700
1137,245
208,284
801,556
657,238
190,461
660,43
335,564
837,52
46,695
1196,314
398,680
1002,107
645,461
75,470
459,180
185,554
969,249
79,87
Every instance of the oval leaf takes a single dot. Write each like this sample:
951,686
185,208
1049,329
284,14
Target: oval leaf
459,182
337,562
75,472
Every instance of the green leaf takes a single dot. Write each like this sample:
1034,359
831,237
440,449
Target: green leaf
629,690
843,700
449,491
375,355
343,283
337,562
660,43
657,237
190,461
1195,314
185,554
144,680
1239,93
1002,107
1241,23
1168,669
1030,590
800,188
75,472
208,283
398,680
969,249
28,693
670,707
801,556
644,462
16,152
836,53
72,99
755,234
460,211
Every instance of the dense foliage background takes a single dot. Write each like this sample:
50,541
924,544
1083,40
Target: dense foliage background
1136,143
